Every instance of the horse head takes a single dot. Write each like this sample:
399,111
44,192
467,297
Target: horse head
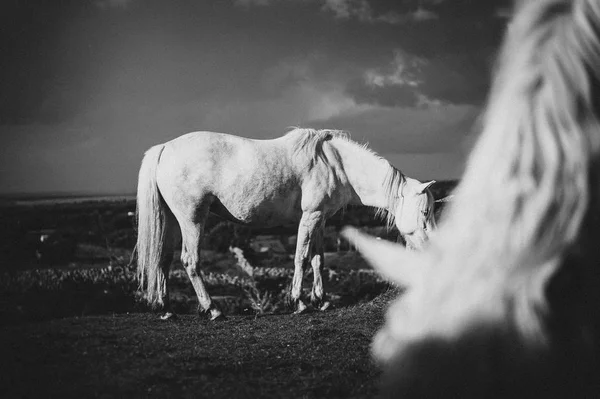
415,218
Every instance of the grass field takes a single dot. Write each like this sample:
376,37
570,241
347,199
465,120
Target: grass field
81,329
314,355
75,324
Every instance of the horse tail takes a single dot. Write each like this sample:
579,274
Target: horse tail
151,219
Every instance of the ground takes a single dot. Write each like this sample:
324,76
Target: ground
323,354
75,325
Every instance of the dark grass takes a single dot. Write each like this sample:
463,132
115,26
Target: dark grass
43,294
324,354
102,354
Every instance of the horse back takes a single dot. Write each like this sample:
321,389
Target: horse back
248,181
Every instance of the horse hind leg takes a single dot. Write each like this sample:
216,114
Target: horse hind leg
172,232
165,266
190,257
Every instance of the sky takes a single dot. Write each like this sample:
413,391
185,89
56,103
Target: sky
86,86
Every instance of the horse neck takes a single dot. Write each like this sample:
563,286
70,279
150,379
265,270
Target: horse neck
366,173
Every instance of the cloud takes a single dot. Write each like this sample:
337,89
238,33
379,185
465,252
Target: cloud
287,72
262,3
345,9
421,14
444,128
249,3
296,105
362,11
417,81
403,72
393,85
102,148
455,78
108,4
387,96
122,85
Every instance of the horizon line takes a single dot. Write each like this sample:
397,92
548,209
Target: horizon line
62,194
68,193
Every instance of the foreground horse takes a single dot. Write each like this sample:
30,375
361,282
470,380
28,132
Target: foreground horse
505,300
305,176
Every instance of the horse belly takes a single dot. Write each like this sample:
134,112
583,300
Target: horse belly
259,209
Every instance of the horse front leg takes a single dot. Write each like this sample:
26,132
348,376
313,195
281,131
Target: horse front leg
309,224
300,264
317,295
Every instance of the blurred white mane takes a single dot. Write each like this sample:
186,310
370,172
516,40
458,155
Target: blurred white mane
505,301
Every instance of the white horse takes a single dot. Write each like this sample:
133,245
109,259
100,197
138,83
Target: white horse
505,300
305,176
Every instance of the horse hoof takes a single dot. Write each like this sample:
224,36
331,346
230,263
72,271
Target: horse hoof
301,308
168,316
325,306
318,303
218,317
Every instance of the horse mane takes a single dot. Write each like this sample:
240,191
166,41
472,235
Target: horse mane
517,251
525,190
309,143
392,181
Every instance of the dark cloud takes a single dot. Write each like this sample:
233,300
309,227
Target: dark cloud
392,12
65,59
249,3
395,84
111,4
459,79
384,95
410,130
27,38
87,86
407,80
447,58
360,10
364,11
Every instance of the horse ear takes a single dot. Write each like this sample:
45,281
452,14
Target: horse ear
447,198
424,186
391,260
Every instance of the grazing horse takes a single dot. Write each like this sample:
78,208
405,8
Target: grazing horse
304,176
505,300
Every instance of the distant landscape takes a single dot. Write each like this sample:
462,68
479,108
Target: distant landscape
52,245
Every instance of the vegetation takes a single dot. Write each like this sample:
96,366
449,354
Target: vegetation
82,266
110,225
66,268
40,294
